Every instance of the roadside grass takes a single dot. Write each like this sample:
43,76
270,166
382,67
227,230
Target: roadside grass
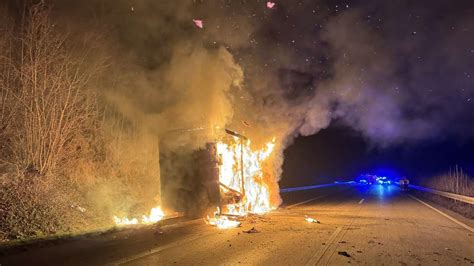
454,181
33,206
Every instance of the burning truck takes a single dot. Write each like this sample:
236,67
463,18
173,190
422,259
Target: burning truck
226,177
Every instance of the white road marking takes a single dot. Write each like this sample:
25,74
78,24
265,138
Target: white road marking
318,255
361,201
444,214
332,243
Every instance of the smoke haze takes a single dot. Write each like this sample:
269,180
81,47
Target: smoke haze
281,72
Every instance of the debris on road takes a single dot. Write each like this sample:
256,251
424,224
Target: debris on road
342,242
251,231
159,232
344,253
253,219
311,220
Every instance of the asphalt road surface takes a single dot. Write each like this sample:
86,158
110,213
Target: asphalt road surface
377,225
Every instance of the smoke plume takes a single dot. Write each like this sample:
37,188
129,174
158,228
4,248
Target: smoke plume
281,72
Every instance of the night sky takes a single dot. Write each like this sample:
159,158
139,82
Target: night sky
347,86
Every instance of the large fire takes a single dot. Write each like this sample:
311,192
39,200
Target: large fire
240,171
242,184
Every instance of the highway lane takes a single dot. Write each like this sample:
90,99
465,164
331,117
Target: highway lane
359,225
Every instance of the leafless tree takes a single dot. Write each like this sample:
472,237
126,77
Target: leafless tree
7,103
44,95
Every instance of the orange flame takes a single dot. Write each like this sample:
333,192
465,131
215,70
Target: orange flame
156,214
241,170
222,222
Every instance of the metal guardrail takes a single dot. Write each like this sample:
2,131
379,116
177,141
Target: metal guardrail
453,196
